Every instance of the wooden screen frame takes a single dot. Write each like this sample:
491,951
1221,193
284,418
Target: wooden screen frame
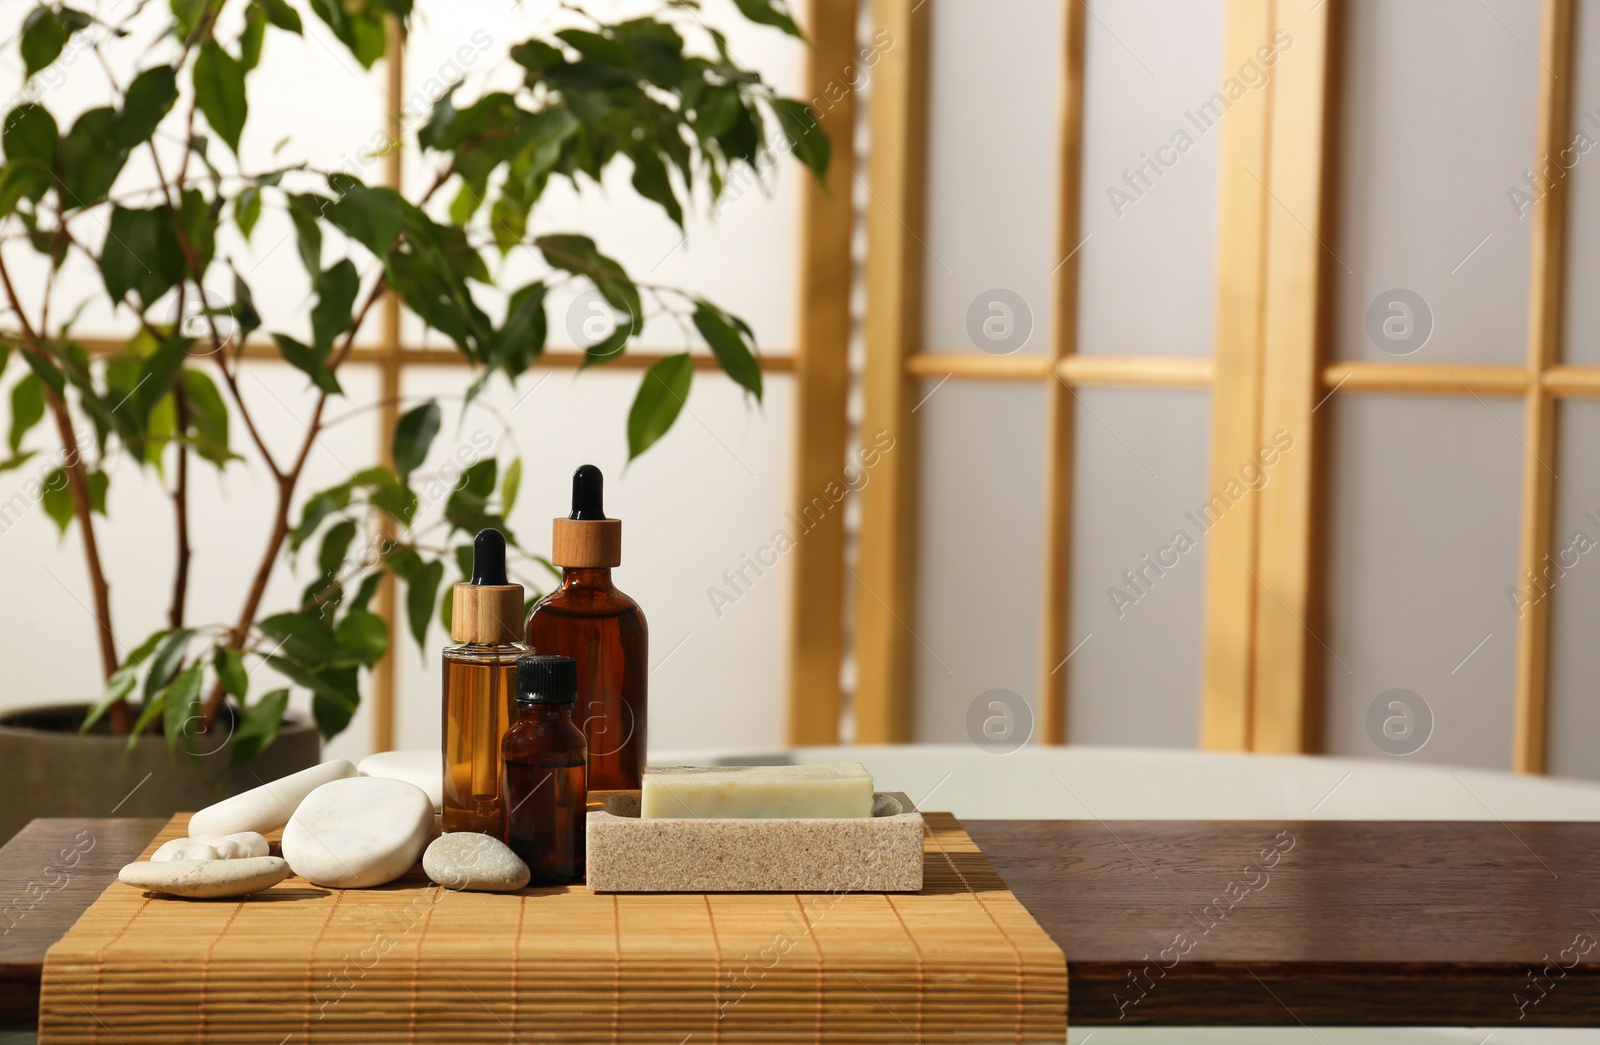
1263,601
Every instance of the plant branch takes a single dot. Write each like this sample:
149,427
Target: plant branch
180,507
78,485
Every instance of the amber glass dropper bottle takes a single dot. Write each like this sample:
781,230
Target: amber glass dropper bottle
589,620
479,685
544,792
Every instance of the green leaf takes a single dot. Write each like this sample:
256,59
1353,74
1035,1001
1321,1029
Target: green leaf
254,35
318,507
303,212
304,638
372,217
770,12
364,635
150,97
369,588
332,714
309,362
650,180
258,726
247,210
30,134
244,308
180,706
166,661
733,355
335,546
43,36
141,254
336,291
56,496
335,695
150,711
358,27
208,417
98,483
158,374
90,158
280,14
219,91
198,218
122,680
510,485
520,340
578,255
187,14
421,587
413,435
809,141
27,408
229,665
661,396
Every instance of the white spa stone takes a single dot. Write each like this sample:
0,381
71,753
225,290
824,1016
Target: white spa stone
354,833
240,846
474,862
184,849
205,879
419,766
843,789
268,807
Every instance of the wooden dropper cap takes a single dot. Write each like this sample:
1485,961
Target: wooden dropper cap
487,611
587,539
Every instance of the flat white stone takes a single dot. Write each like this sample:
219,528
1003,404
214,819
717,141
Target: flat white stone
474,862
420,766
268,807
240,846
206,879
358,832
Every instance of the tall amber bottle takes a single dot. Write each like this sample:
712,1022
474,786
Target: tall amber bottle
480,682
589,620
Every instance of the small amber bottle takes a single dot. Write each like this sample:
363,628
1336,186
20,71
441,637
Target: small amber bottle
589,619
479,682
545,790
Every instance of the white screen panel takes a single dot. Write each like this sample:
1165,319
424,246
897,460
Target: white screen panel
978,553
1573,587
993,116
1140,477
1422,545
1151,130
1430,258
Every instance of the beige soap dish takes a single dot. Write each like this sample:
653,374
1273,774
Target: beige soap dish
877,854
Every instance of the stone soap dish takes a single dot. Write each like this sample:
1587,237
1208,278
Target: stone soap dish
877,854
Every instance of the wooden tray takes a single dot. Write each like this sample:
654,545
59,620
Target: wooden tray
961,961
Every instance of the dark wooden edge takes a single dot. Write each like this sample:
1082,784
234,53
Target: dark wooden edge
50,872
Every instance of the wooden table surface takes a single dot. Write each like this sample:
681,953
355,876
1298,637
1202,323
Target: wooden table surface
1198,923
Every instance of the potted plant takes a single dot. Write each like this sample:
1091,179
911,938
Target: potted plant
180,722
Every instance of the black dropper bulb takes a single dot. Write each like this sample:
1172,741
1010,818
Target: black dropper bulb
588,493
489,557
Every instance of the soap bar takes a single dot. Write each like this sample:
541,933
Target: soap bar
757,792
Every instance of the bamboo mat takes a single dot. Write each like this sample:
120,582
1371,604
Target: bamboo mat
962,961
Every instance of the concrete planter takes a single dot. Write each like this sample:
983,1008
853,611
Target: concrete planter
47,769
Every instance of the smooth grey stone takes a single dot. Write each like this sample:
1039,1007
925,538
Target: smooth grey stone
473,862
206,879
